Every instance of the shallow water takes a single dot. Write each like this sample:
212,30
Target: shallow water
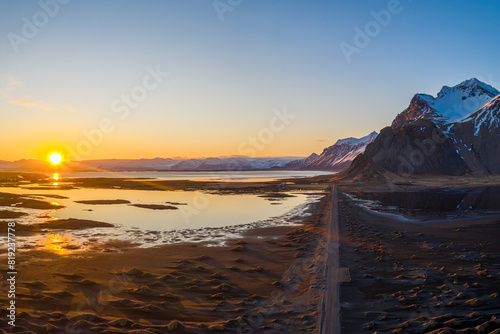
228,176
199,209
200,216
434,204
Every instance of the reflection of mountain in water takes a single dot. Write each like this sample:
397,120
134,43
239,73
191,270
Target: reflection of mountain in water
436,203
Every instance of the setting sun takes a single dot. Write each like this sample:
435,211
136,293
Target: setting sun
55,158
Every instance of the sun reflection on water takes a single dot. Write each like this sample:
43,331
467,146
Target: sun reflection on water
55,178
60,244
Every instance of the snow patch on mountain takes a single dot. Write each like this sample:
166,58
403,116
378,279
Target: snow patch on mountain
488,116
340,155
355,141
452,104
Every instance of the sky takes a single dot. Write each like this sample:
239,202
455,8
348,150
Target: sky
101,79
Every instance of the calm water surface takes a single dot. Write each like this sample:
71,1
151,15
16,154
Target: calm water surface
434,204
198,209
247,176
199,216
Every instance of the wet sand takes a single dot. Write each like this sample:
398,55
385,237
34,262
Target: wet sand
155,206
267,280
104,201
398,277
434,277
57,224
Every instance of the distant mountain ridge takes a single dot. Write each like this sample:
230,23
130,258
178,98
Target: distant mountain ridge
455,133
160,164
337,157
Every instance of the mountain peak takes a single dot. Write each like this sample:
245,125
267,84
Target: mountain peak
469,115
313,156
297,164
340,155
354,141
451,104
468,88
477,82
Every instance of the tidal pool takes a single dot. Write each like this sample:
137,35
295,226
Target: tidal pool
433,204
189,215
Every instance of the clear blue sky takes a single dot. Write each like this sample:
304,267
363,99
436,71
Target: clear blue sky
227,76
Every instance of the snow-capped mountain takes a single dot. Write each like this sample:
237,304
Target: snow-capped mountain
450,105
179,164
336,157
159,164
455,133
230,163
297,164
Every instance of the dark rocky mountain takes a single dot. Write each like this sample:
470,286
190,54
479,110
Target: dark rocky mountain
428,138
408,150
480,134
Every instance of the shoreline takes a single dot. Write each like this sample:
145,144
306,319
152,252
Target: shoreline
404,277
40,225
180,288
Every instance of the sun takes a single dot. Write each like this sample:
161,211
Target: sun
55,158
